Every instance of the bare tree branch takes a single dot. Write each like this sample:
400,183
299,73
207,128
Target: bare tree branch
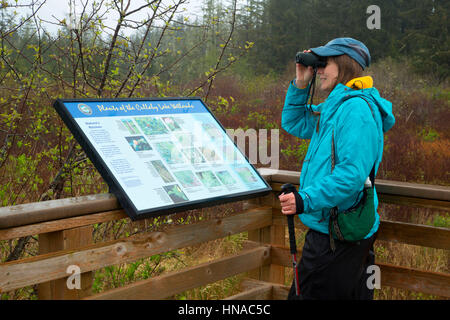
24,21
155,50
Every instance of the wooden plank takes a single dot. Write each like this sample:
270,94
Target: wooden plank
247,245
276,186
282,256
390,199
399,188
414,202
73,239
420,196
257,236
282,176
50,242
263,292
266,173
408,233
61,224
394,276
36,212
414,190
415,280
52,266
275,235
63,240
280,219
33,213
420,235
279,291
261,235
276,204
249,284
175,282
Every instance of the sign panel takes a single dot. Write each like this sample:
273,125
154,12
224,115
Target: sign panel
159,156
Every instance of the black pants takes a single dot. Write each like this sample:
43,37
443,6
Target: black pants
342,274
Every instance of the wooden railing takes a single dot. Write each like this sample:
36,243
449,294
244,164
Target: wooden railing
65,238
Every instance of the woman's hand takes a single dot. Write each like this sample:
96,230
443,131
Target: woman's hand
288,205
303,74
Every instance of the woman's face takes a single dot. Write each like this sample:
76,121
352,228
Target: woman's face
328,75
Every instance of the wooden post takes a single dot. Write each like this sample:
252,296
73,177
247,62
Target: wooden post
277,237
274,235
63,240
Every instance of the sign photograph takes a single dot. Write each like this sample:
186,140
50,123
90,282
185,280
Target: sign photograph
159,156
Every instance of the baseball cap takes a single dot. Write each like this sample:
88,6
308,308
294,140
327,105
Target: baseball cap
349,46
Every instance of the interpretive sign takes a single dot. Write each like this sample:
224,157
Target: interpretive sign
159,156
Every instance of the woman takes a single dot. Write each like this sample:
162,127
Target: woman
352,121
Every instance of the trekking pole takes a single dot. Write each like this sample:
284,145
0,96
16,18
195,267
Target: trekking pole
286,189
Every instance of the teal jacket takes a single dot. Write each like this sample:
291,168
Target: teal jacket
358,138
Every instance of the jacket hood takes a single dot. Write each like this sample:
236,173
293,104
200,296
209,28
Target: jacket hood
363,86
385,108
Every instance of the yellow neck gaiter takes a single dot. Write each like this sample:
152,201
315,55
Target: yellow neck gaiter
360,83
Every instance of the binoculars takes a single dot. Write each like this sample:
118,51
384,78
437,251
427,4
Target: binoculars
310,59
